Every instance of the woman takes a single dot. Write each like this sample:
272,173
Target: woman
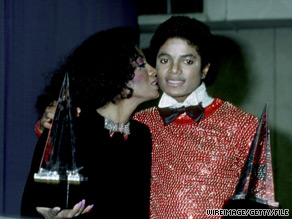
109,78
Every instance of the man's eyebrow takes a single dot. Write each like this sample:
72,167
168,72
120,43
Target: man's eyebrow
189,55
163,54
184,56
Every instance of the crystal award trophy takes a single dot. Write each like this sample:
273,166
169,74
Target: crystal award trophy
58,162
256,184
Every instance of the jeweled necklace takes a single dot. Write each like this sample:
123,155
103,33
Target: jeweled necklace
114,127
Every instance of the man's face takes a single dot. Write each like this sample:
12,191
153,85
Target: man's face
179,68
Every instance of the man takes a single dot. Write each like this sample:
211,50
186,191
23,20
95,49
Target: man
196,162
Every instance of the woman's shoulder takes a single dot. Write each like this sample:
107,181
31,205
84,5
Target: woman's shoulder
138,126
88,122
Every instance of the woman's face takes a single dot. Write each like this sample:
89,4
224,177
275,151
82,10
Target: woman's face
145,83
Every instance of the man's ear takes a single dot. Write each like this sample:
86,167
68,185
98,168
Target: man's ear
205,71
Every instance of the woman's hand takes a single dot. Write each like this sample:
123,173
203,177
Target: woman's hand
57,213
47,118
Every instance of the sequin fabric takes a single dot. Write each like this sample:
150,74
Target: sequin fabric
196,166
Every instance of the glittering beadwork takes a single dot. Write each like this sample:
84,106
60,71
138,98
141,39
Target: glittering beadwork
196,166
117,127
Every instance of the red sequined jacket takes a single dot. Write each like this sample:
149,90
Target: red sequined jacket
196,166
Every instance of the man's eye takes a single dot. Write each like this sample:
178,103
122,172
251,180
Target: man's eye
188,61
163,61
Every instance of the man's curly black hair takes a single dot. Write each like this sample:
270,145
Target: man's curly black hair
195,32
98,69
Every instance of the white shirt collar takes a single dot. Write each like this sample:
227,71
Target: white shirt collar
197,96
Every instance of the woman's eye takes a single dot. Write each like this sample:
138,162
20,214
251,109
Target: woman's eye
188,61
142,65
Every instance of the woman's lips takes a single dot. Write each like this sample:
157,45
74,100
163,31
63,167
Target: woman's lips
155,83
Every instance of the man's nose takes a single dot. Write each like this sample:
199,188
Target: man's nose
175,68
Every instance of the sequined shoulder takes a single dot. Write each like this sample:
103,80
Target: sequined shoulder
233,119
236,111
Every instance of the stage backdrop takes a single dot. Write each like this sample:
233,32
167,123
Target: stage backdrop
34,36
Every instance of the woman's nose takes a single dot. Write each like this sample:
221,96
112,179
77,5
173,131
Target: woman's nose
152,71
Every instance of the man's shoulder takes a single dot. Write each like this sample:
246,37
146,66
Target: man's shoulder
233,113
235,109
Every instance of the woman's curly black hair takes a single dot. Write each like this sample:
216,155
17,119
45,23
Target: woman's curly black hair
98,69
195,32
